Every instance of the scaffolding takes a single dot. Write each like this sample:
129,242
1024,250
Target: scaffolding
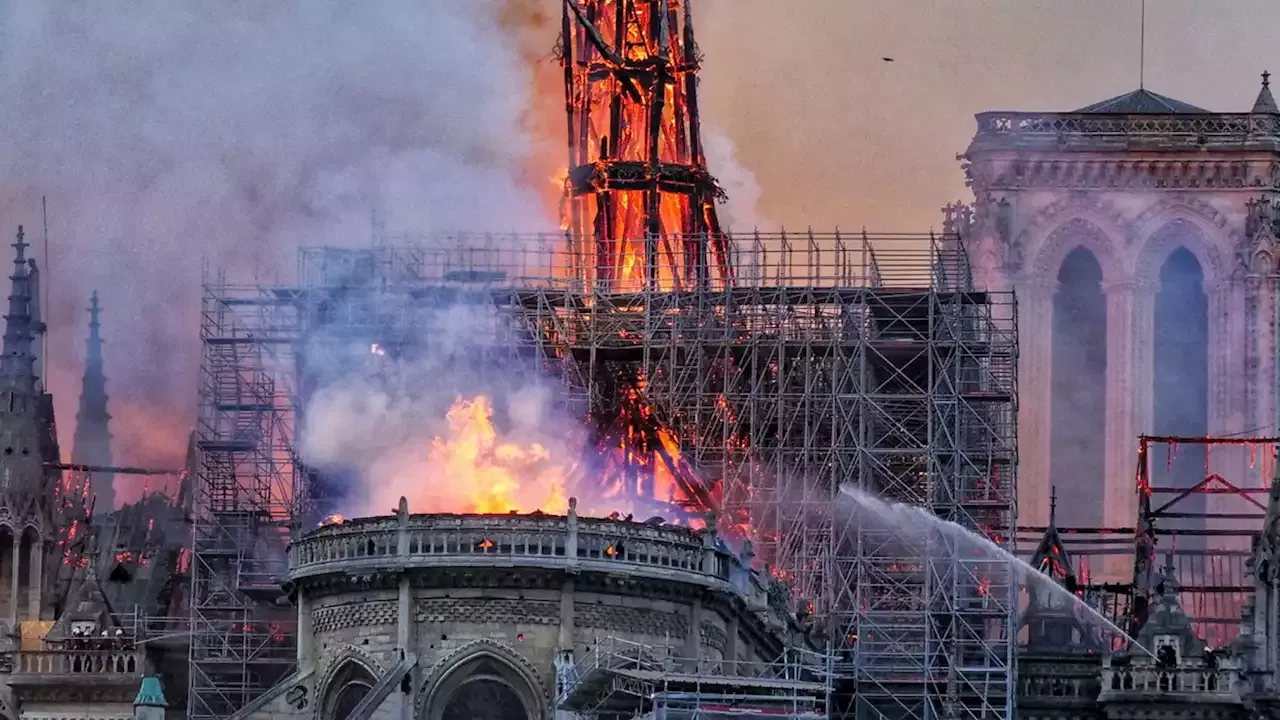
1205,518
1200,501
619,679
245,503
826,360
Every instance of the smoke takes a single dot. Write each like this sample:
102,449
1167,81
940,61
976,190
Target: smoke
739,212
170,134
451,419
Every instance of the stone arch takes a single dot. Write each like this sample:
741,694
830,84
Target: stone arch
349,670
28,539
1077,232
482,661
1180,232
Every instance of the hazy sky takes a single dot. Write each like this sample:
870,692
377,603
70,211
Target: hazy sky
836,136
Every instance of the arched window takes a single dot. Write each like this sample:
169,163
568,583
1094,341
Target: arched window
484,687
484,698
348,687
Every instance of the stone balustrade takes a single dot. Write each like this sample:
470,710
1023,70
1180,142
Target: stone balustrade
556,542
1203,682
114,663
1084,688
511,541
1192,130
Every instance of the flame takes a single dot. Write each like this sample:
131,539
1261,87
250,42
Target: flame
335,519
646,232
471,468
635,467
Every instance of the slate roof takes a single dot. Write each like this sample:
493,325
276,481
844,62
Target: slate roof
1141,102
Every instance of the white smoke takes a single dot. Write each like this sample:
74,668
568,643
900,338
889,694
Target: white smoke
384,419
739,212
166,133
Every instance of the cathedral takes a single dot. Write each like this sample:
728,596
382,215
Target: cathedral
1139,234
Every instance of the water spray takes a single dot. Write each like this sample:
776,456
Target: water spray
901,515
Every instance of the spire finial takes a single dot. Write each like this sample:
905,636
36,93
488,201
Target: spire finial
20,326
1266,103
1053,503
92,441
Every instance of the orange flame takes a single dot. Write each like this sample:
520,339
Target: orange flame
472,468
335,519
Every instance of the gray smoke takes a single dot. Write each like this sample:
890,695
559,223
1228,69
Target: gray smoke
166,134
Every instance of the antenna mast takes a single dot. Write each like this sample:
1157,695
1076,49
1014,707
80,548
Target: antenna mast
1142,49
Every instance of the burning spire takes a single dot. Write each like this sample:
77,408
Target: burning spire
640,204
92,444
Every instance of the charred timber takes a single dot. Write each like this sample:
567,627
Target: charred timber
640,175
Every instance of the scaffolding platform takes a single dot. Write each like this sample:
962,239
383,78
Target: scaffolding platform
623,679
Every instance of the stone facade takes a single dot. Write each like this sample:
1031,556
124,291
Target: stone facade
417,616
1130,181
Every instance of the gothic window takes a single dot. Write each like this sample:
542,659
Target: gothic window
1180,371
350,684
484,687
485,699
1078,402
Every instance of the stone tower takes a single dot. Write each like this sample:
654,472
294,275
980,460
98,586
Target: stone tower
1138,233
28,441
92,443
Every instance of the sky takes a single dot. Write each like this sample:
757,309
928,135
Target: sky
838,137
174,138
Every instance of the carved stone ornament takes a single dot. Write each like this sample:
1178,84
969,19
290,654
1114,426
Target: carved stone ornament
296,697
1163,174
1256,251
1180,205
1106,219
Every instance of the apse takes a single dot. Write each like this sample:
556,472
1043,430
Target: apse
1180,377
1078,401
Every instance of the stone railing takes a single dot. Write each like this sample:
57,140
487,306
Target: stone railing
96,663
551,541
1185,129
1215,683
1062,687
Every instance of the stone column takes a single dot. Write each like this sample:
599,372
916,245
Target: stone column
306,657
693,640
1266,379
1035,393
1120,504
37,580
1142,323
1226,339
566,617
15,578
731,644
